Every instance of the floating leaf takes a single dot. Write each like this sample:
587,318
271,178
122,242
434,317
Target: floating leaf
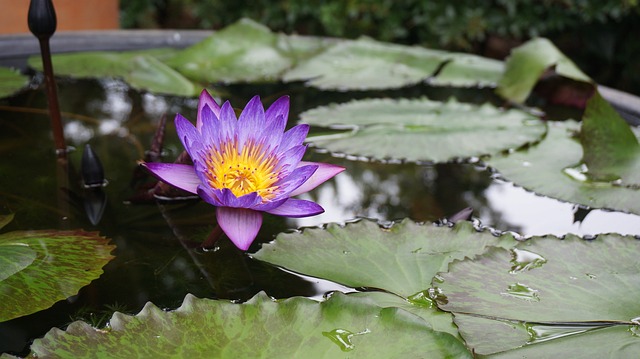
11,81
541,169
243,52
366,64
5,219
528,63
581,286
401,259
422,130
342,326
140,69
610,149
39,268
469,70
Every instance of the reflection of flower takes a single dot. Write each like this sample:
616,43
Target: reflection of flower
245,166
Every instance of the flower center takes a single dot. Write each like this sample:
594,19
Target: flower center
250,170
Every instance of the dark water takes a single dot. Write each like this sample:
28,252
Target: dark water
152,260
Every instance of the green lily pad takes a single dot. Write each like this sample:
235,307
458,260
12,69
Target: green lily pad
242,52
469,71
141,69
366,64
528,63
401,259
421,129
11,81
260,328
39,268
555,287
540,169
610,149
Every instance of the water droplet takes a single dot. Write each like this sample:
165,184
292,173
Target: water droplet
346,252
543,332
523,260
526,164
591,276
342,338
522,291
634,330
578,173
436,295
573,278
581,173
421,299
438,278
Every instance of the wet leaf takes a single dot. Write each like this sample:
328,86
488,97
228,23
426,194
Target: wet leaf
541,169
555,288
342,326
366,64
610,149
422,130
242,52
468,71
528,63
38,268
11,81
401,259
141,69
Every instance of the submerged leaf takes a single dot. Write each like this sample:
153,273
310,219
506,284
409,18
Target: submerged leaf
549,288
528,63
422,130
552,168
401,259
610,149
342,326
38,268
11,81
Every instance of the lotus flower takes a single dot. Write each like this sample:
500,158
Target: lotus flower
245,166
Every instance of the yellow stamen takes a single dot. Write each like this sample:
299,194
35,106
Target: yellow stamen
251,170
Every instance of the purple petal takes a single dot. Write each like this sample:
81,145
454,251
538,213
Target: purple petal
249,200
177,175
206,101
272,135
210,195
294,137
324,172
299,176
297,208
228,123
279,108
241,225
251,121
186,132
290,159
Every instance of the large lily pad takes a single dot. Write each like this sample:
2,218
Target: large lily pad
422,130
550,288
528,63
141,69
243,52
11,81
38,268
552,168
469,70
401,259
260,328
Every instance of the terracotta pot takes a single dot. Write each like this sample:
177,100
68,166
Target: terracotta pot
71,14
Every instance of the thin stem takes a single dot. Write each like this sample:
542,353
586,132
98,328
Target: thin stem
52,96
213,237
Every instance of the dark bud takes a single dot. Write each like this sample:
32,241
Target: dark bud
42,18
91,168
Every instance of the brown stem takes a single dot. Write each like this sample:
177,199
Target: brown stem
213,237
52,96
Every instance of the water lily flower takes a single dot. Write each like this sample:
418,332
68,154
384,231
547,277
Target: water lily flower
245,166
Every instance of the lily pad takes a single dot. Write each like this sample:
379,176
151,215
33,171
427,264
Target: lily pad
469,71
401,259
528,63
11,81
39,268
260,328
555,287
610,149
366,64
141,69
541,169
243,52
422,130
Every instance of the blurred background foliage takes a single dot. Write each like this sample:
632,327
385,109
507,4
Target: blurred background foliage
599,35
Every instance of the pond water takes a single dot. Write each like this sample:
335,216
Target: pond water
153,261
